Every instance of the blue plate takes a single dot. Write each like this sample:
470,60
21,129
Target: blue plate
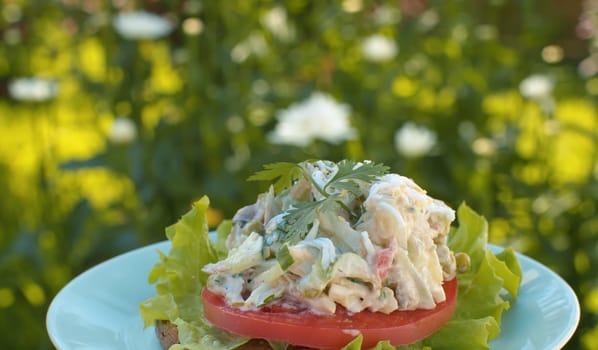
99,308
545,315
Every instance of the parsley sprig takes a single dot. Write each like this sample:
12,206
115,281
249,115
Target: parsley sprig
283,174
348,177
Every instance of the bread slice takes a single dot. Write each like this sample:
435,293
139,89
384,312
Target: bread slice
168,335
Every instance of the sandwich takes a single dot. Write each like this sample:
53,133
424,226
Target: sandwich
332,256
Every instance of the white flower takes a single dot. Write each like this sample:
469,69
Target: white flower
254,44
378,48
122,131
193,26
536,86
484,146
588,67
428,20
141,25
352,6
318,117
33,89
276,22
385,15
414,141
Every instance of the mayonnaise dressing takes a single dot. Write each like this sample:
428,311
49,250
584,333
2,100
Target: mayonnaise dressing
393,257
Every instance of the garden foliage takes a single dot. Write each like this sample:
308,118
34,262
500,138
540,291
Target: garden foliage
115,116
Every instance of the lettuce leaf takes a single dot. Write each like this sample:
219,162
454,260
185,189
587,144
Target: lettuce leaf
355,344
485,291
219,240
179,280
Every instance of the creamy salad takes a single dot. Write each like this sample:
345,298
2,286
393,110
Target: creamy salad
334,236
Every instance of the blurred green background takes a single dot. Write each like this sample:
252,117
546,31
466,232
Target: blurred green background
116,115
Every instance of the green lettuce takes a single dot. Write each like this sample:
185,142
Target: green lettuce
485,291
355,344
179,280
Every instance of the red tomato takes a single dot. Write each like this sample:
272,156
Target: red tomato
304,328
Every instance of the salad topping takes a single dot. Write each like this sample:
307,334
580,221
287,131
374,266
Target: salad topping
328,234
372,241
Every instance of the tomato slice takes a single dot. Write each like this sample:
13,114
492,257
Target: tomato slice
304,328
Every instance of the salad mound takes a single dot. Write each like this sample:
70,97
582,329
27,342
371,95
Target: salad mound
328,235
376,242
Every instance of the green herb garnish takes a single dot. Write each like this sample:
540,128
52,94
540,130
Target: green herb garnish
300,218
349,171
285,173
349,176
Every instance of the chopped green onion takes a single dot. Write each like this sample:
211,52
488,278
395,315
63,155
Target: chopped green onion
285,260
268,299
